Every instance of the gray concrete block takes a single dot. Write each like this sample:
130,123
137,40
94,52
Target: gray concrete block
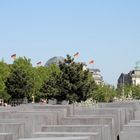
116,123
16,129
128,104
117,112
33,119
133,127
51,117
93,136
6,136
108,119
124,135
27,127
103,130
91,121
130,108
137,115
59,138
67,109
135,121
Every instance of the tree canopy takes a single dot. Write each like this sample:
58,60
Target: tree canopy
73,83
4,73
69,80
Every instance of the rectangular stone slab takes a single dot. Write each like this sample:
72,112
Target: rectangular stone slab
118,112
93,136
133,127
32,119
124,135
130,108
103,130
16,129
59,138
66,108
115,127
137,115
6,136
91,121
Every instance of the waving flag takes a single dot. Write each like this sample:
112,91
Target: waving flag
91,62
76,54
39,63
13,56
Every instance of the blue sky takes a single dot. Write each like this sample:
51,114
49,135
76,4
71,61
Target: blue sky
107,31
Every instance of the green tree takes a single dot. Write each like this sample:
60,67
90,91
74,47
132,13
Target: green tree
4,73
132,91
73,82
76,83
50,88
124,90
44,76
20,82
104,93
135,92
17,84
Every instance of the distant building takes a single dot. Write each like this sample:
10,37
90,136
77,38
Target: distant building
133,77
97,76
54,60
125,79
136,74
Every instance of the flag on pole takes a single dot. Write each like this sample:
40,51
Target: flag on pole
39,63
13,56
76,54
91,62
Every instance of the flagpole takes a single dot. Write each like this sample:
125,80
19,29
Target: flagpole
93,65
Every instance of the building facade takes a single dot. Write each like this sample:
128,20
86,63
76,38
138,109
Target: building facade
132,78
136,74
125,79
97,76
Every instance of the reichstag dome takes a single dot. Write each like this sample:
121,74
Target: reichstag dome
54,60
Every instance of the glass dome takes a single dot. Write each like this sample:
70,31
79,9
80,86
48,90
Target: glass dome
137,67
54,60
